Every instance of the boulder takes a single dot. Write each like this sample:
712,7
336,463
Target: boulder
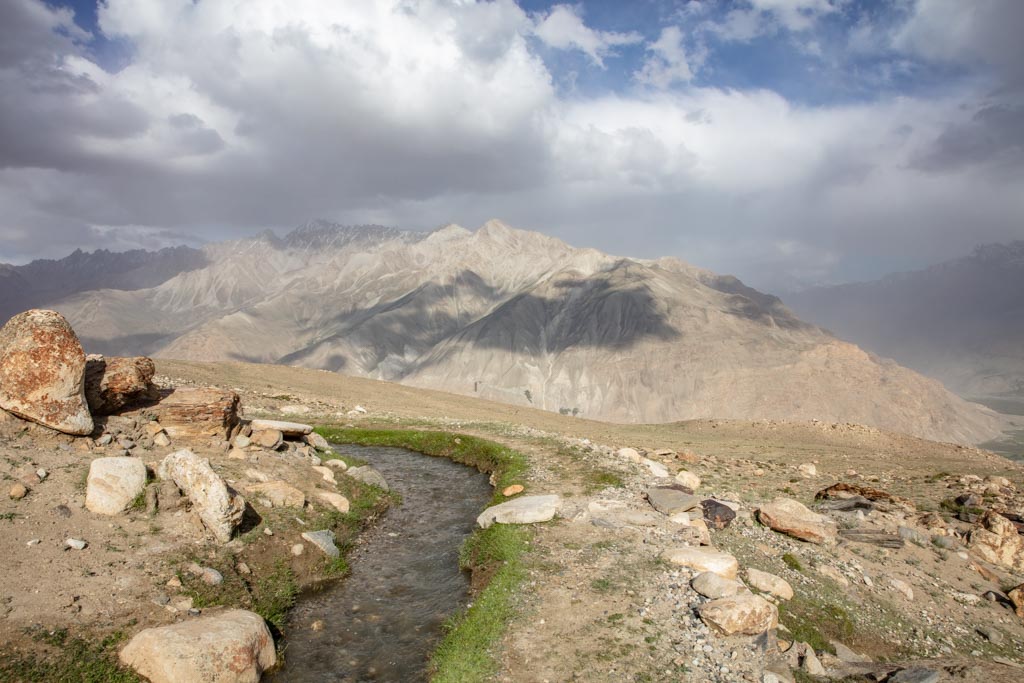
324,540
794,519
656,468
335,500
717,515
198,413
326,473
843,490
630,454
271,439
280,494
808,470
522,510
286,428
512,490
1016,597
715,586
688,479
316,441
219,507
744,613
720,563
42,372
114,383
997,541
669,501
368,475
769,583
113,483
234,646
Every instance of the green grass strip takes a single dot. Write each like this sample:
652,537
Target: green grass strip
496,555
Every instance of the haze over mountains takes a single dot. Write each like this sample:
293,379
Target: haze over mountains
961,321
509,315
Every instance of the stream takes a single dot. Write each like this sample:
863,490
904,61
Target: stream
382,621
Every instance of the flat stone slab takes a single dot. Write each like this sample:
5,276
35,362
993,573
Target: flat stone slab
324,540
286,428
720,563
669,501
524,510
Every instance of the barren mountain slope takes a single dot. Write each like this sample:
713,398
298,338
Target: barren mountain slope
521,318
961,321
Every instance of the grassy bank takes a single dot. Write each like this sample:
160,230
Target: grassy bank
495,556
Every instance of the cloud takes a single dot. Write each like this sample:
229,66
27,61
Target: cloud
234,117
669,62
562,28
755,18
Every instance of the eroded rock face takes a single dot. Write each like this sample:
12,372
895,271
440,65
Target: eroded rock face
42,372
114,383
795,519
743,613
194,413
231,647
219,507
113,483
997,541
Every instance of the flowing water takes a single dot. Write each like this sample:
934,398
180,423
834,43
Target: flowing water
382,621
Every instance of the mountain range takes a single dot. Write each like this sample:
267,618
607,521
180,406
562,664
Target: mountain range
509,315
961,321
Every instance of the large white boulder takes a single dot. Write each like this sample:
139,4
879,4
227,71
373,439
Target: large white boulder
113,483
219,507
700,560
229,647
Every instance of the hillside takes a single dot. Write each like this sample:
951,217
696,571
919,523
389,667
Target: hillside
960,321
522,318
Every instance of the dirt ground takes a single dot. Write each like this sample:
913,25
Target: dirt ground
600,604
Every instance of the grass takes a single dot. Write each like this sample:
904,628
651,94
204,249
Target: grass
73,660
792,562
495,555
816,623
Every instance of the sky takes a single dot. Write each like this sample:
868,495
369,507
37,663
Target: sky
788,142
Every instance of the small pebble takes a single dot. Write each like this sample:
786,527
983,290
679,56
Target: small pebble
34,541
18,491
75,543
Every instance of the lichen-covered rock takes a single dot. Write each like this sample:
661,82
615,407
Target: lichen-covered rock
230,647
998,541
115,383
42,372
219,507
795,519
198,413
744,613
113,483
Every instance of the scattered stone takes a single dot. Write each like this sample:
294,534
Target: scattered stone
630,454
368,475
18,491
688,479
113,484
512,490
336,500
745,613
794,519
234,646
833,573
33,542
992,635
76,543
845,654
769,583
873,537
316,441
237,454
336,463
219,507
326,472
843,490
809,661
298,549
42,372
271,439
808,470
324,540
917,674
207,575
718,515
700,560
42,474
281,494
715,586
162,440
1016,596
998,542
523,510
669,501
656,468
286,428
902,587
113,383
913,535
241,441
104,440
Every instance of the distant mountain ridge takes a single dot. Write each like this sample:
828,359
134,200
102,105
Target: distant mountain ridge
961,321
519,317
